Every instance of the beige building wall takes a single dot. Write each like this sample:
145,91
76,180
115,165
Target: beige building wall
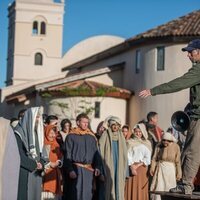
25,43
108,106
176,64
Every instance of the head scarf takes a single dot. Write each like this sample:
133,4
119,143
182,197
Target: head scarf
51,181
135,141
26,130
169,136
105,123
143,129
113,120
54,148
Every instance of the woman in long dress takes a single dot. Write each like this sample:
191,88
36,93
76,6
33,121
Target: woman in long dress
166,159
139,157
52,177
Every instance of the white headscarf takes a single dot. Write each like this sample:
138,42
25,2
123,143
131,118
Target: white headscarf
26,127
168,136
105,123
143,129
137,141
113,120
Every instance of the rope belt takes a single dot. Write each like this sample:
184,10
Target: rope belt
86,166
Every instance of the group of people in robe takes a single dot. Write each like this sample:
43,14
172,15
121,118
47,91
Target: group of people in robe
61,162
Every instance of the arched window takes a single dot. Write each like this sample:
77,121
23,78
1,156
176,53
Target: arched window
38,59
43,28
35,28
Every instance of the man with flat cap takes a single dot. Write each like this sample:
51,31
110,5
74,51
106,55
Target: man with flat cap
191,79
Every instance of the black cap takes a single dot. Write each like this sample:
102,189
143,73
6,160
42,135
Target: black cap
194,44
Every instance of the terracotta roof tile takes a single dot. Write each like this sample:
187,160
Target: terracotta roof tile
188,25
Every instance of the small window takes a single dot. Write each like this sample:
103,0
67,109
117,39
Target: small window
35,28
137,61
160,58
43,28
97,110
38,59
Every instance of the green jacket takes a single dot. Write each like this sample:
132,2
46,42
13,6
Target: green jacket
191,80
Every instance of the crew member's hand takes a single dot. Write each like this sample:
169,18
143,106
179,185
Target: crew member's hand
72,175
96,172
145,93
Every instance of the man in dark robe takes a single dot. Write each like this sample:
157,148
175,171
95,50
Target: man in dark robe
29,135
82,160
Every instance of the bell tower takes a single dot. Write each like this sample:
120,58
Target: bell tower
35,34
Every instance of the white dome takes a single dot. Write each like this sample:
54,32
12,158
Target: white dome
89,47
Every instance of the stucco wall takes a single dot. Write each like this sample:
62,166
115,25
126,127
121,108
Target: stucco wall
26,70
109,106
176,64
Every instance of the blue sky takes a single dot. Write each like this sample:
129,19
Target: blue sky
124,18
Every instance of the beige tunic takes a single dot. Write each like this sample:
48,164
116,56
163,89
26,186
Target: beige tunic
170,153
165,160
